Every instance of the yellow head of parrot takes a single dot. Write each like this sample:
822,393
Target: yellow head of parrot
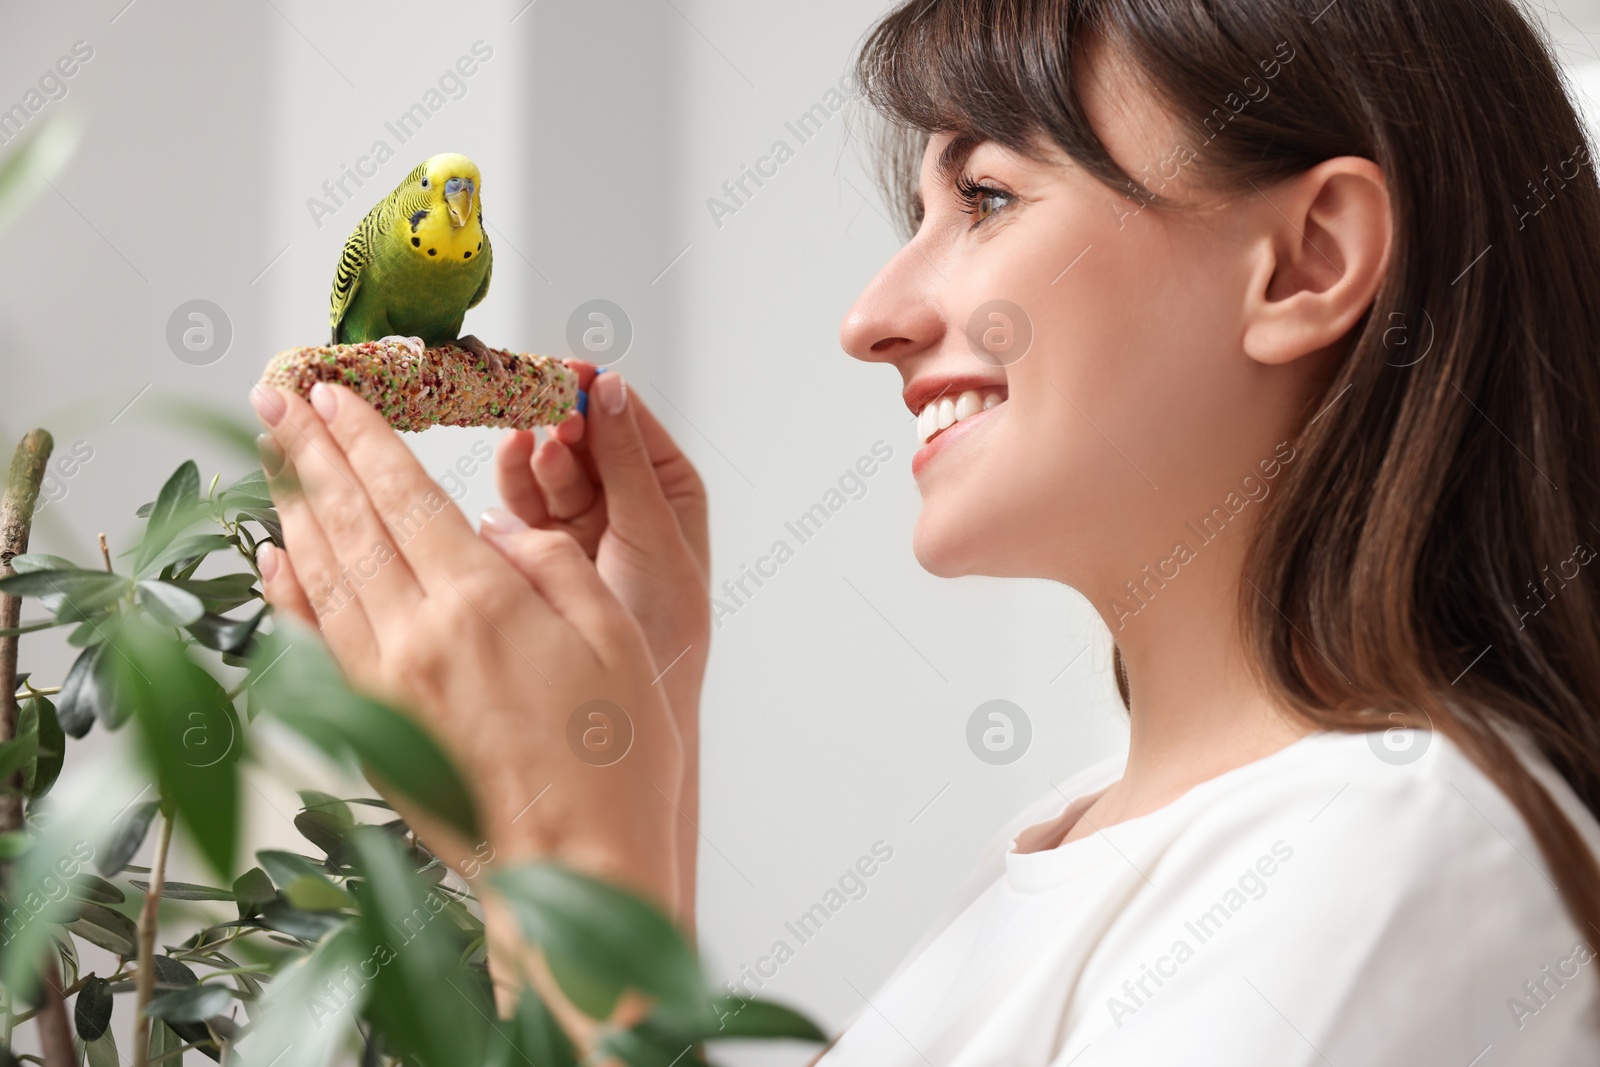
453,179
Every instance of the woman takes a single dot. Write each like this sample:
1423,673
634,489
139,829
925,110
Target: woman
1270,329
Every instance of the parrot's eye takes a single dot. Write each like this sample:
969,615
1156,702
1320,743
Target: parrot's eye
424,183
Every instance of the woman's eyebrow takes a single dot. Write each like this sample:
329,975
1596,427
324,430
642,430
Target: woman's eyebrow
955,155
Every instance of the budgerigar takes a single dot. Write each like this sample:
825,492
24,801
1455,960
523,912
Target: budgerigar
417,262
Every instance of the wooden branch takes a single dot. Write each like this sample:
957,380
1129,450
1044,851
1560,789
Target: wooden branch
55,1033
16,523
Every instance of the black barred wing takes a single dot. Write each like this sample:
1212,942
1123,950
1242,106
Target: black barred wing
488,263
353,260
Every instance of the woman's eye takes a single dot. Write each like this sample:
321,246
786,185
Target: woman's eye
980,201
988,204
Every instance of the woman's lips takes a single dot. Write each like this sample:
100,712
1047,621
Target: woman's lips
947,438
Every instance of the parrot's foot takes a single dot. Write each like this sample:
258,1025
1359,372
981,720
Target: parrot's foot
413,343
497,367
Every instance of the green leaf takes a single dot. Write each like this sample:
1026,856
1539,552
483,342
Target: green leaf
251,489
87,691
85,634
641,1050
594,994
223,593
29,562
191,736
184,891
282,916
253,890
37,719
126,837
420,971
296,1023
164,1040
330,805
619,937
169,605
71,584
316,894
92,1013
170,972
321,829
111,930
16,754
285,867
720,1017
306,692
102,1052
87,886
268,518
531,1036
14,843
195,546
43,155
225,634
175,507
192,1005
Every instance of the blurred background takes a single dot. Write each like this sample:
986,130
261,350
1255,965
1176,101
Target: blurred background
229,149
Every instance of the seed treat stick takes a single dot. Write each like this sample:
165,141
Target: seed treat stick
442,386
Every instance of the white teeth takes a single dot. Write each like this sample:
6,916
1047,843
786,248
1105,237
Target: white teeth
943,413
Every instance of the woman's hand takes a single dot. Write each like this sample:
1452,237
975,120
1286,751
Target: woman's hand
617,483
505,651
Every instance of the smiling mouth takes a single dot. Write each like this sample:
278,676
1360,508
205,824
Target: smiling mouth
944,412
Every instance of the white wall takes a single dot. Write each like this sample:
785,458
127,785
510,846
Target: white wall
839,692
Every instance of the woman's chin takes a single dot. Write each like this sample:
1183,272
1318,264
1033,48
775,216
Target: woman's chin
949,546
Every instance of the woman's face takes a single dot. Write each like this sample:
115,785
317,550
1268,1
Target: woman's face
1110,335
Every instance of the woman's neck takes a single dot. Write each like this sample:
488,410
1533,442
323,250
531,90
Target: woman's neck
1196,710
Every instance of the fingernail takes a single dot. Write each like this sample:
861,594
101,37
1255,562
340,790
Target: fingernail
583,402
267,560
268,404
323,400
271,454
499,520
613,393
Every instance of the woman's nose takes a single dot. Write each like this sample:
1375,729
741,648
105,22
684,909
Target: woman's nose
895,316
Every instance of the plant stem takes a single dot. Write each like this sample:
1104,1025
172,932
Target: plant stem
16,523
105,551
17,505
145,978
55,1033
67,992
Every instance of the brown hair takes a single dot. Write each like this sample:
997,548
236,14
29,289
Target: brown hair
1395,579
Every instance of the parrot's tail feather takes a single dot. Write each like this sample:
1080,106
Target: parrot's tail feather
442,387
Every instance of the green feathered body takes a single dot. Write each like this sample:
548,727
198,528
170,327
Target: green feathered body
417,262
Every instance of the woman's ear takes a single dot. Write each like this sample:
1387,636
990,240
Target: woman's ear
1324,240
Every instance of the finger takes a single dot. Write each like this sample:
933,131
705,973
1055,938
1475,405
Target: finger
364,553
280,587
428,529
679,481
513,476
568,490
334,609
569,431
555,565
635,505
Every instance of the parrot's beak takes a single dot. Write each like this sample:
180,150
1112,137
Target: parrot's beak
460,205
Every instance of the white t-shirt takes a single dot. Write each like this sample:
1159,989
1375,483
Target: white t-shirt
1348,901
